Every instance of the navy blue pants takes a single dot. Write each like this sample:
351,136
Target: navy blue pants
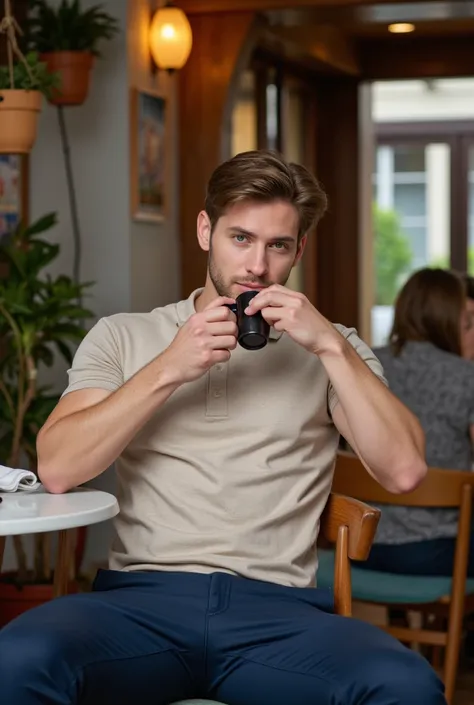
431,557
153,639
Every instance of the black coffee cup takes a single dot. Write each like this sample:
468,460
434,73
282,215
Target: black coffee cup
253,330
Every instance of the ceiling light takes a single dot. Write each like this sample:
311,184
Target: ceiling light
401,27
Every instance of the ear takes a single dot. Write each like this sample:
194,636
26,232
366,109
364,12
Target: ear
300,250
204,231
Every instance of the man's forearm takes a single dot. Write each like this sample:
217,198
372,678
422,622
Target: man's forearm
383,431
82,445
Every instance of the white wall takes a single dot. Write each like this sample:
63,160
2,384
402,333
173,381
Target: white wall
154,254
135,265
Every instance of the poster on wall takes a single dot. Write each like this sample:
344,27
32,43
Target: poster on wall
148,156
13,185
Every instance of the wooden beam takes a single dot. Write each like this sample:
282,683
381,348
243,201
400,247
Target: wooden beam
203,6
337,166
222,45
417,57
325,44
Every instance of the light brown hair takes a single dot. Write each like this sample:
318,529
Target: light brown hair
429,308
264,176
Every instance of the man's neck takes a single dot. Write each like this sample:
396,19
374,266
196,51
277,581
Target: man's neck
207,295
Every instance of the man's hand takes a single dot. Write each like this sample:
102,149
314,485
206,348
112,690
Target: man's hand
205,340
291,312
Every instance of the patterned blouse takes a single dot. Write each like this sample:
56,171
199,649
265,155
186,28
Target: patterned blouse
439,388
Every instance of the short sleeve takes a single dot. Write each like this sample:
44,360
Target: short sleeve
365,353
96,363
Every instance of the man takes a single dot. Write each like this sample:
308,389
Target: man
224,462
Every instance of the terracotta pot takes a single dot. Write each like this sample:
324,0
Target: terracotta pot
19,112
74,68
14,601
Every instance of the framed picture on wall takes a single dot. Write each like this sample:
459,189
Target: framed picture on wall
148,156
13,191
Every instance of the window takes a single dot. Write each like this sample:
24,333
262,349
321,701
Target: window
411,220
423,184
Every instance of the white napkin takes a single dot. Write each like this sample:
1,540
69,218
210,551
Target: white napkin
12,480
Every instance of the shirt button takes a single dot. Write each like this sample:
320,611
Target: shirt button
219,368
217,393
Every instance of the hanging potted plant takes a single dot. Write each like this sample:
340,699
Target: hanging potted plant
67,39
39,318
23,82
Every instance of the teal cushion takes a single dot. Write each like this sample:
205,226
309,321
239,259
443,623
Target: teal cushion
387,588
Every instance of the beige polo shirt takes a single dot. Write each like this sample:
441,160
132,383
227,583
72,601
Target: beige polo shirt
233,472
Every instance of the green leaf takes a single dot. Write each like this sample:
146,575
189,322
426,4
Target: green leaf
65,351
46,222
37,78
67,27
39,318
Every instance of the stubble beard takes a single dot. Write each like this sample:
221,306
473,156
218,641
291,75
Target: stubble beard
224,288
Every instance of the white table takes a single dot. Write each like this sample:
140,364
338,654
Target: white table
38,511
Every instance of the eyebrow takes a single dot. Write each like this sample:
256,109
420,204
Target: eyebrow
242,231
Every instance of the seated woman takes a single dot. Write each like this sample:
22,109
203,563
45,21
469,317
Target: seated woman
425,368
468,348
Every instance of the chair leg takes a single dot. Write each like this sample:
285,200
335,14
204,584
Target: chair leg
61,573
451,661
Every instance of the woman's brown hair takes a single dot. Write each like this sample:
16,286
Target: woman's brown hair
469,283
429,308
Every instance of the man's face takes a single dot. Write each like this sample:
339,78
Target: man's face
468,330
253,246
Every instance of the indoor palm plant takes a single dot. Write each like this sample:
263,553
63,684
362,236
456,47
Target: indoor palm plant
39,319
67,38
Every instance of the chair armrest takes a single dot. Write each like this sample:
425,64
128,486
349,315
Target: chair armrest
360,518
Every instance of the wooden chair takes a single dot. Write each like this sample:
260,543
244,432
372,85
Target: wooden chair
447,598
350,525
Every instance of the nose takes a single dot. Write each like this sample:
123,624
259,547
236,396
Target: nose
257,264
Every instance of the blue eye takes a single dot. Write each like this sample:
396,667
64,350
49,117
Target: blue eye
240,238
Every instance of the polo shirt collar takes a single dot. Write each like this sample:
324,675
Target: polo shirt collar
186,308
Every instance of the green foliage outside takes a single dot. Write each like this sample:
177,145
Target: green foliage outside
443,262
392,256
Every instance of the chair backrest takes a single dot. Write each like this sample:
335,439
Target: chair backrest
360,519
440,488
